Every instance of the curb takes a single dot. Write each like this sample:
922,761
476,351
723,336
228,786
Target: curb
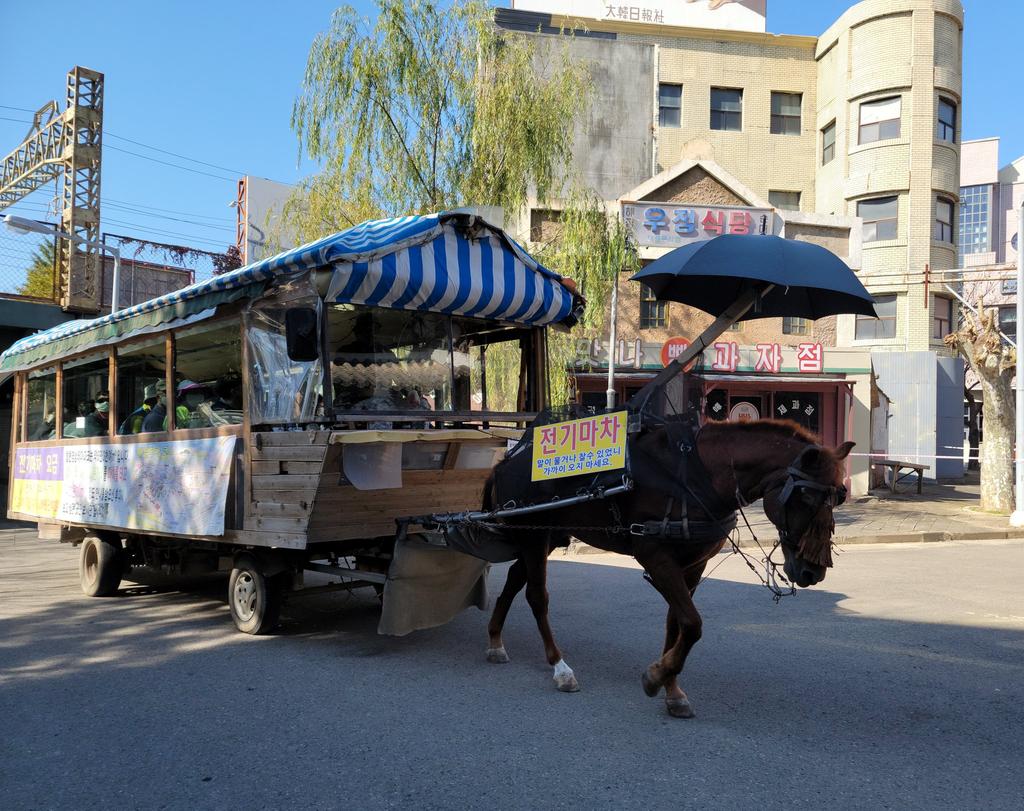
580,548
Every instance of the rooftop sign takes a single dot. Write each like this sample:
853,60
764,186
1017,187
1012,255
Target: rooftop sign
732,15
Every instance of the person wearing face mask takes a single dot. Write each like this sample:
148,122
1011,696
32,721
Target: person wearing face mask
156,420
97,422
191,395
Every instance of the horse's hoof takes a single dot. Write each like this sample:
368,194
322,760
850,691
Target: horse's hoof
497,656
565,679
679,707
651,687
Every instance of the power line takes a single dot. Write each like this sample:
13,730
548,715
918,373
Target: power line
168,163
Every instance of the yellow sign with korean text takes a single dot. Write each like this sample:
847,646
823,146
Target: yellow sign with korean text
591,445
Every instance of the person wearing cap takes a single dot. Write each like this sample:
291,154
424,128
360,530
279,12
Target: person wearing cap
156,420
133,422
97,421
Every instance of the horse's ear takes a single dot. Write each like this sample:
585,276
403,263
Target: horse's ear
844,450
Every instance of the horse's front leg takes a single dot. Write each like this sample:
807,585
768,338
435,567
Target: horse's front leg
670,578
676,701
536,561
514,583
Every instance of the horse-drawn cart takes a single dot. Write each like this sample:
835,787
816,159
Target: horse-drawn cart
280,418
375,405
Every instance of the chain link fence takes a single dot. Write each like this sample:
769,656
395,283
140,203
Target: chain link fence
28,264
28,268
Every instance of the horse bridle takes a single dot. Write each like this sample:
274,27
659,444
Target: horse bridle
796,479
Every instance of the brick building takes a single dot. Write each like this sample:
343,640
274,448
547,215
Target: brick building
850,139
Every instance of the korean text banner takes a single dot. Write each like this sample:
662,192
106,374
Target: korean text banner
670,225
577,447
178,487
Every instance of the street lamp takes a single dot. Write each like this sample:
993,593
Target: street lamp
22,225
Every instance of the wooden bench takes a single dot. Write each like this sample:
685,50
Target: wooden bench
895,466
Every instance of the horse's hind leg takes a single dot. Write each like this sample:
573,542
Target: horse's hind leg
513,585
536,561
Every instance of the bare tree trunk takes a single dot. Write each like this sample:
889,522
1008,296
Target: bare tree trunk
993,362
997,451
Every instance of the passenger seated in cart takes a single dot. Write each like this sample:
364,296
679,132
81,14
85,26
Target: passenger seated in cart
133,422
156,420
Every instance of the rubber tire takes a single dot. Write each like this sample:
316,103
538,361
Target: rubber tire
269,595
100,566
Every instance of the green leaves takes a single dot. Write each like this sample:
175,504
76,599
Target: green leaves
429,107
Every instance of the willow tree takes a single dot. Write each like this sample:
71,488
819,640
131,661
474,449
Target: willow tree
430,107
994,362
592,247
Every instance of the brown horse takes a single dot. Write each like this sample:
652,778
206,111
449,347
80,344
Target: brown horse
737,463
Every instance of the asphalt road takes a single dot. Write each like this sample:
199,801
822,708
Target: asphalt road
897,683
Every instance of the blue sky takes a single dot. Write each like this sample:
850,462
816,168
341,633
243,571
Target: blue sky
215,82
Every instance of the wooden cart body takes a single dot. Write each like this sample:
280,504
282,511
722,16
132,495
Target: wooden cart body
286,487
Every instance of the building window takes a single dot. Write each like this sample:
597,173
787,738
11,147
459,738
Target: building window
726,109
1008,322
880,120
785,200
796,326
880,218
828,143
670,105
653,313
1008,287
945,129
943,220
975,221
786,113
943,322
884,326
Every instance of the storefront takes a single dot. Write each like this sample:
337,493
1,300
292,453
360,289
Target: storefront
824,389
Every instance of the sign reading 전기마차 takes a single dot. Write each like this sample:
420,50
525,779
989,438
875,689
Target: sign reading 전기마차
576,447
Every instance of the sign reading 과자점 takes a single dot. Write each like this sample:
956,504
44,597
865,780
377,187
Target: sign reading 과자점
179,487
576,447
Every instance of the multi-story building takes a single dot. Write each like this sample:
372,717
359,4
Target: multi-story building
990,200
704,124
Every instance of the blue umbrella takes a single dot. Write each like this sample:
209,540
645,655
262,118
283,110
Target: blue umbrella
809,281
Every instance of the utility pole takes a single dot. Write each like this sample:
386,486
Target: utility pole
1017,519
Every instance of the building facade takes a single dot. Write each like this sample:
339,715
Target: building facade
850,140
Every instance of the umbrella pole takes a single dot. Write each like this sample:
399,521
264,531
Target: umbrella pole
734,313
610,392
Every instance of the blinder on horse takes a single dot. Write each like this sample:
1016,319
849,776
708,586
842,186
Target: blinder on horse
816,494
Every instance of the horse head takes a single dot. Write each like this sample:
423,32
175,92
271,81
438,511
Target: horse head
799,501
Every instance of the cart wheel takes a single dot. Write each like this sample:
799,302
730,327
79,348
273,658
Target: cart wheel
255,599
100,566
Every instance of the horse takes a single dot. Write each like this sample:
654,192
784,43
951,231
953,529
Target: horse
733,464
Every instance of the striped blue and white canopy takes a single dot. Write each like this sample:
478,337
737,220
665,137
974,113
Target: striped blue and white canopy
451,262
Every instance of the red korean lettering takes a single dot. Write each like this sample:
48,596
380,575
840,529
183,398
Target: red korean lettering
769,358
727,356
739,222
713,222
810,358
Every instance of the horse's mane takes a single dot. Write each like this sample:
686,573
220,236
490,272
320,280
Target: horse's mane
787,429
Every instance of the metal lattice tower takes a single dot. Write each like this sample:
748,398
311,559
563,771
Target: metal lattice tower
66,147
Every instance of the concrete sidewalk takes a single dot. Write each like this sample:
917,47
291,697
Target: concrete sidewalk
943,512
